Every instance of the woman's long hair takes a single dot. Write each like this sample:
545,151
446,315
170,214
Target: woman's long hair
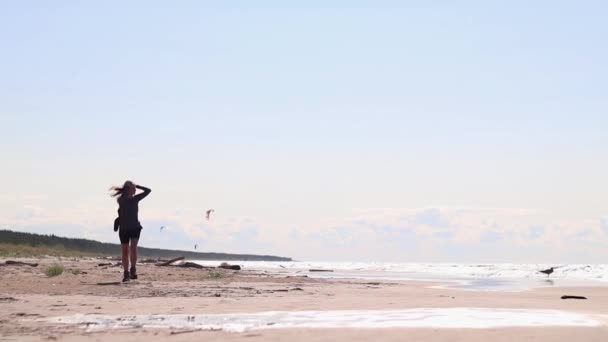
121,191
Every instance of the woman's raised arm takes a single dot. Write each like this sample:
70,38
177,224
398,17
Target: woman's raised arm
142,195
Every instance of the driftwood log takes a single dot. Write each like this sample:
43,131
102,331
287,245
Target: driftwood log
230,267
319,270
20,263
573,297
192,265
151,261
169,262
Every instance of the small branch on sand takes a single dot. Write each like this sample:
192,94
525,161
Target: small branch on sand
109,283
109,264
573,297
191,331
19,263
169,262
319,270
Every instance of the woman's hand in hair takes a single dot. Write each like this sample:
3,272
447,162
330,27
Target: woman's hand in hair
145,192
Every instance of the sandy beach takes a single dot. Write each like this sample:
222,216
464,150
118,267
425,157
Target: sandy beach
31,302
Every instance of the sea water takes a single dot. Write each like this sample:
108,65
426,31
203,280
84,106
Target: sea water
485,277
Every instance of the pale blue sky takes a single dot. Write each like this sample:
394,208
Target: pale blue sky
296,121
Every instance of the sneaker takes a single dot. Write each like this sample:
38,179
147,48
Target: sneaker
133,273
126,277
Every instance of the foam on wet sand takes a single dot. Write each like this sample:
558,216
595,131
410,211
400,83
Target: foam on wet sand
471,318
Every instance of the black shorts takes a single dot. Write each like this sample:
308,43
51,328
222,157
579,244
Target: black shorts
127,235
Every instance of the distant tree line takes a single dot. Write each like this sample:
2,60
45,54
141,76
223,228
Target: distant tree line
111,249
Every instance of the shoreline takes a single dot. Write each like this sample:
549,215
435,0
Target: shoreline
29,299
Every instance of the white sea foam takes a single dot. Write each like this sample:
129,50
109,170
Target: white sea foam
473,318
433,271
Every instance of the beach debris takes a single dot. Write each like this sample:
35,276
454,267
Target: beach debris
109,283
319,270
297,289
229,267
151,261
208,213
104,264
547,271
20,263
169,262
25,314
185,331
192,265
573,297
7,299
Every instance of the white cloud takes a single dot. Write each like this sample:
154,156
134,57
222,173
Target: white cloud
381,234
456,234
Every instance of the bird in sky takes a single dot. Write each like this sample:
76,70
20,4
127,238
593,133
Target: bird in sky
208,215
195,246
161,228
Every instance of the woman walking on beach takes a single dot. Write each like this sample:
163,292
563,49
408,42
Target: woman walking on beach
128,224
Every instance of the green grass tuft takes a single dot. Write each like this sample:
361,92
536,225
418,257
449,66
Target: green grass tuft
215,275
54,270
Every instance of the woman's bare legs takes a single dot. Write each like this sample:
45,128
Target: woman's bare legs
125,256
133,252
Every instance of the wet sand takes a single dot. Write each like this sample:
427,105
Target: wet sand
29,298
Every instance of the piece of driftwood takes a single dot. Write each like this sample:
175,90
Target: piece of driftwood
192,265
109,264
109,283
573,297
319,270
185,331
20,263
7,299
105,266
230,267
169,262
151,261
